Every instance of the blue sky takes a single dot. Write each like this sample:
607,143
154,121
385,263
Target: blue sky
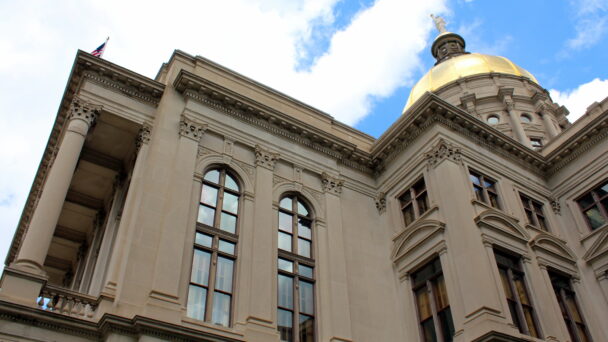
354,59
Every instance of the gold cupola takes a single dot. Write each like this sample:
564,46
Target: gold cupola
454,63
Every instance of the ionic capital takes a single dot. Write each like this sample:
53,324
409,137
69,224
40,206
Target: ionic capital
82,110
191,129
265,158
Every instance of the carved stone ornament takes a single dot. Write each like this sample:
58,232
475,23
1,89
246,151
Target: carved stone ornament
80,109
331,184
143,136
443,150
557,208
380,202
265,158
191,129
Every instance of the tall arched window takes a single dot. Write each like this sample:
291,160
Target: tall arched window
211,280
296,308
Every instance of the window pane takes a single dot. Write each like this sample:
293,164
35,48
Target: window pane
447,325
528,315
285,222
306,298
209,195
441,295
514,315
200,267
205,215
302,209
285,291
595,218
307,329
285,325
428,330
478,193
475,179
223,278
423,204
231,183
304,248
285,265
304,229
493,200
488,184
231,203
228,223
505,283
602,190
226,247
424,305
419,187
221,309
305,271
203,239
586,201
286,203
285,241
408,214
530,216
213,176
573,309
197,297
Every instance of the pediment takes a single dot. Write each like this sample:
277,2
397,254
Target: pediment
498,222
546,243
415,236
598,248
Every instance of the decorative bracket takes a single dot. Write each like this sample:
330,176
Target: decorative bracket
143,136
265,158
380,200
332,184
191,129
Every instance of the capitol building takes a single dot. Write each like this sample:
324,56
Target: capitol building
202,205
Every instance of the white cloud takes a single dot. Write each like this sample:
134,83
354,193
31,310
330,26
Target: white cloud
577,100
263,39
591,23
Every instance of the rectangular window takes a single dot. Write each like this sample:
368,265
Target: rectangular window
594,206
519,302
569,307
414,202
484,188
432,303
536,143
534,212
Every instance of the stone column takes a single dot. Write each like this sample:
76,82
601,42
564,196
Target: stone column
263,276
174,226
129,214
40,232
549,126
340,327
518,131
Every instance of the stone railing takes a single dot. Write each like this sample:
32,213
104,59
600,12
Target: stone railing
66,302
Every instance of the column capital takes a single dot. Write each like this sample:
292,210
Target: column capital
331,184
143,136
441,151
265,158
191,129
83,110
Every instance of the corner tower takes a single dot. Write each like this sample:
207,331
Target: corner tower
491,88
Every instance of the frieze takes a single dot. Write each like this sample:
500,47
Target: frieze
441,151
265,158
133,90
331,184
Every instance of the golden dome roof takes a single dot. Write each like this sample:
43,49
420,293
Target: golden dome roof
462,66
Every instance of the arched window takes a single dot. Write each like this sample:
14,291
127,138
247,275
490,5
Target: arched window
211,280
493,119
296,308
525,117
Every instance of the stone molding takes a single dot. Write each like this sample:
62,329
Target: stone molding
83,110
265,158
191,129
556,206
380,201
331,184
143,136
441,151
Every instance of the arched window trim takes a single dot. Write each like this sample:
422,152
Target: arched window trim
298,272
216,248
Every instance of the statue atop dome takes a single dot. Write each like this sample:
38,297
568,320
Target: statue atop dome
439,23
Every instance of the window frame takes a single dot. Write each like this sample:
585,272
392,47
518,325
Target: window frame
531,210
485,193
216,235
429,284
597,201
297,260
566,310
540,144
511,272
413,200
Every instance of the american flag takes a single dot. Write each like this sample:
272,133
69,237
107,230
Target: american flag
99,51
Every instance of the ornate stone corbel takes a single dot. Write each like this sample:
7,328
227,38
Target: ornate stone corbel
380,200
265,158
557,208
331,184
443,150
85,111
143,136
191,129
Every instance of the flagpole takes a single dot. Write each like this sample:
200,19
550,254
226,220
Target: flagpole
104,47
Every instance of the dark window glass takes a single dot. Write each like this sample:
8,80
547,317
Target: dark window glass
569,307
536,143
414,202
484,189
534,212
594,206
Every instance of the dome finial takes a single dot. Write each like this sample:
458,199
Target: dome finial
439,23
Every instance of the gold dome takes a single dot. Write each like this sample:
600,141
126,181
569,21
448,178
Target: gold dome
463,66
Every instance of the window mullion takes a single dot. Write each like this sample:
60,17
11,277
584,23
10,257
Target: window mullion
520,309
436,323
296,306
571,321
598,203
414,202
211,286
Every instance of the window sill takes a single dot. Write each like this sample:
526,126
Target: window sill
213,328
422,217
487,206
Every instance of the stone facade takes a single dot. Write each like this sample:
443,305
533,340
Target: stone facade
105,246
